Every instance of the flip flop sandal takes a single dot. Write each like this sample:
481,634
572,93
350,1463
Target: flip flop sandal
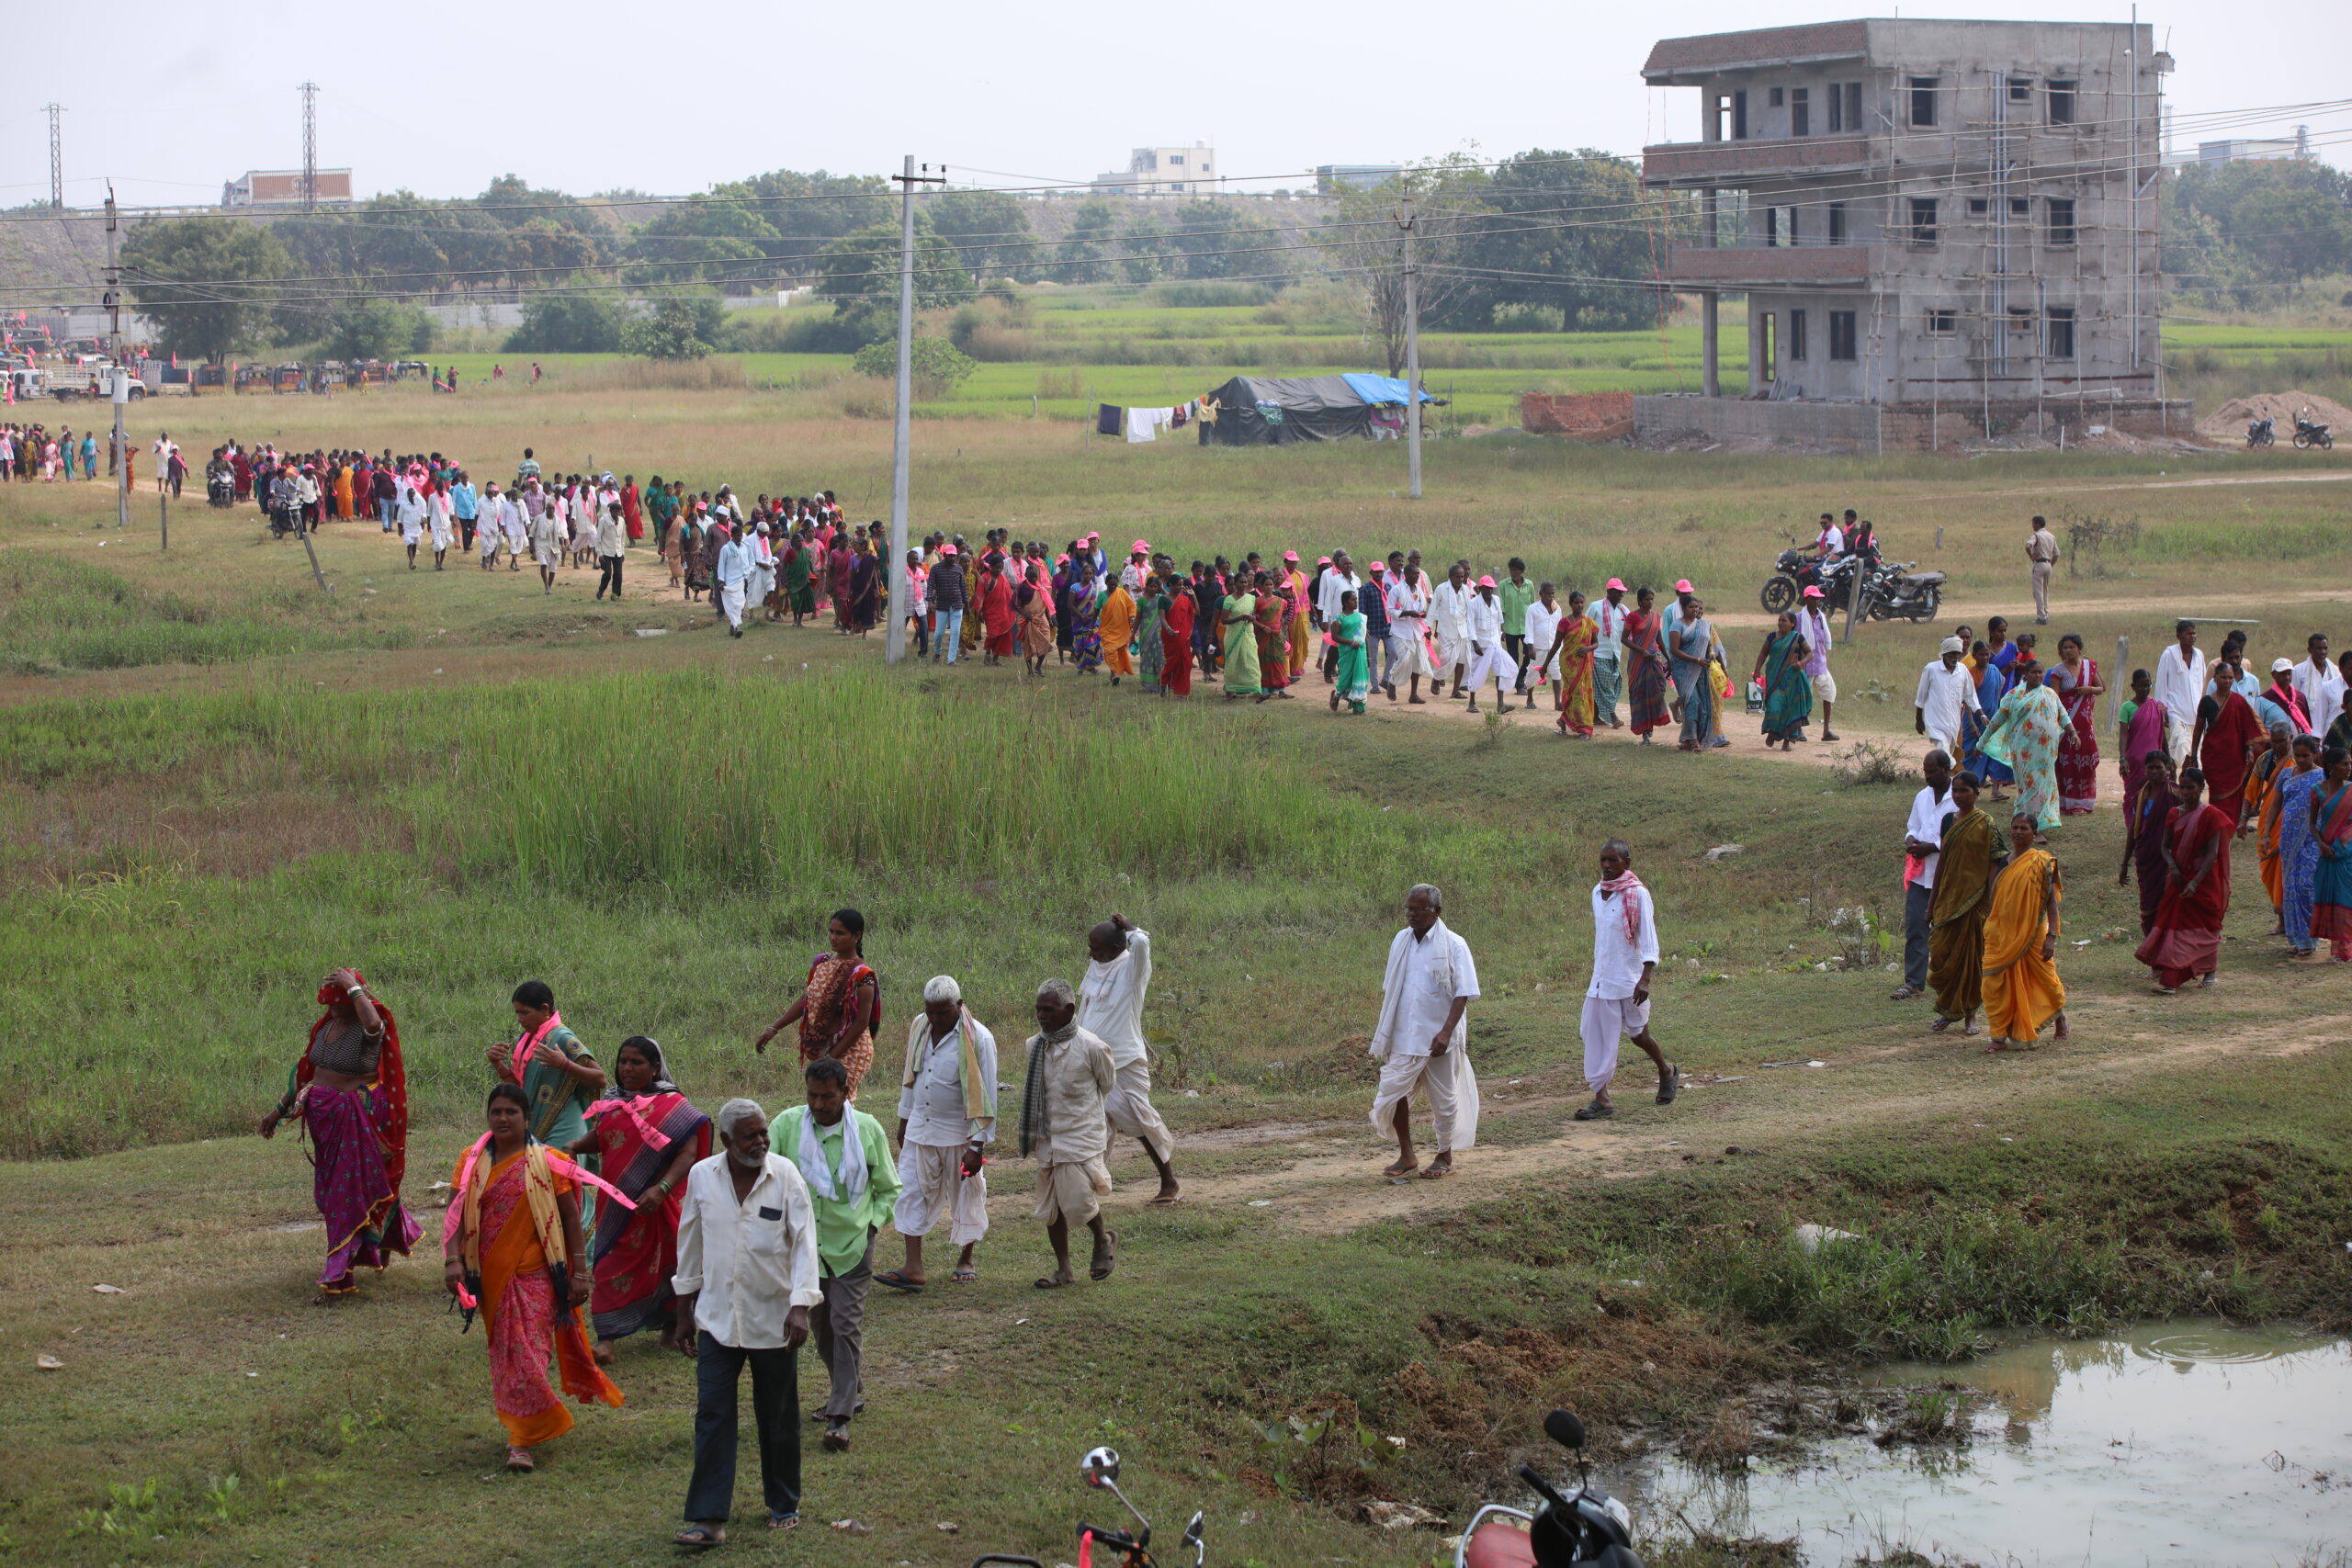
1596,1111
699,1538
1437,1173
966,1276
1105,1259
897,1280
1052,1282
836,1441
1670,1087
519,1461
783,1521
1163,1202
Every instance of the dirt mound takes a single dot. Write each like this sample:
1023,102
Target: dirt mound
2228,422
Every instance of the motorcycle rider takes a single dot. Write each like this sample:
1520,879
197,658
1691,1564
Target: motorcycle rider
1831,542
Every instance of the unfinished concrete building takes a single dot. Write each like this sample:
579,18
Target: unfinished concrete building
1941,230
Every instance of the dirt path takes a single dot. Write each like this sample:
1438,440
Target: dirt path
1335,1183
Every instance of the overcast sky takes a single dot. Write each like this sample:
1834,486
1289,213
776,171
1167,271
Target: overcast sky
438,97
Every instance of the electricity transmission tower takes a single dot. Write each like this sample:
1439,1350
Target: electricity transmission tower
56,157
310,146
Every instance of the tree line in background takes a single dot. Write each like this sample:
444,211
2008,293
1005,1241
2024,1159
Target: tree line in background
1543,241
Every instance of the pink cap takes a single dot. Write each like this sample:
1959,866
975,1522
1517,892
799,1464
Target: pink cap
1486,582
1814,594
1090,535
946,549
1615,582
1139,549
1379,567
1684,587
1290,555
1322,560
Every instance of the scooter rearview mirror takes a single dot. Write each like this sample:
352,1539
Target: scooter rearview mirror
1192,1530
1101,1466
1563,1427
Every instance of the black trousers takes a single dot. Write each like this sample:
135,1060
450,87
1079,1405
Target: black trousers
466,534
1916,902
776,1418
1516,646
610,577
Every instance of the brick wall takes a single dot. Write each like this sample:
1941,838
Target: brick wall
1588,416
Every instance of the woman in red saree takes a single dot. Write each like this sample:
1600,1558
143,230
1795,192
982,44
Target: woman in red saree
632,512
2184,938
351,1095
2075,680
512,1249
1176,639
1646,673
2332,880
648,1136
998,618
1269,623
841,1005
2227,733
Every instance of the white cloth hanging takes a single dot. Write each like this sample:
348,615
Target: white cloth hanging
1143,425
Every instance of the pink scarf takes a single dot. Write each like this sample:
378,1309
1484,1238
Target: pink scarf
1623,889
529,1043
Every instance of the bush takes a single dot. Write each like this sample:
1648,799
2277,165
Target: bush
569,323
1199,296
937,363
377,328
671,333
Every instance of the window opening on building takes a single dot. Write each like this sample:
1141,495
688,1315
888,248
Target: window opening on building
1842,335
2062,103
1923,103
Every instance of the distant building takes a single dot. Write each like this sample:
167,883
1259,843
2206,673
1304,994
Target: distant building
283,187
2255,150
1164,170
1331,179
1922,214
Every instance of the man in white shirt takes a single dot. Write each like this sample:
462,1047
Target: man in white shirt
1065,1129
2320,683
1543,619
1408,612
1818,642
733,575
2180,686
746,1279
1923,843
1944,688
1110,1007
1488,659
1625,961
1830,543
946,1120
1421,1040
1449,616
1608,612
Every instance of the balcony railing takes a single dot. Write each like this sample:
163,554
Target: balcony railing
1736,163
1737,266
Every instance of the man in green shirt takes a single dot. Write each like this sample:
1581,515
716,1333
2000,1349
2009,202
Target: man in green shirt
845,1156
1516,593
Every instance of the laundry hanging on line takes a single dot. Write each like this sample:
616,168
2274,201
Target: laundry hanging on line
1143,425
1109,420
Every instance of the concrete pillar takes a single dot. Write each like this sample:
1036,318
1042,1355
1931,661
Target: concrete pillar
1709,307
1755,349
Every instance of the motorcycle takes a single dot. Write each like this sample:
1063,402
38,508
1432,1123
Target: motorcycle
1895,593
1129,1549
1798,569
1590,1527
2261,432
2310,432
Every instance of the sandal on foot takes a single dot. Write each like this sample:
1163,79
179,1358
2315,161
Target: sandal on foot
897,1280
1671,1085
519,1461
1400,1170
1596,1111
1161,1199
1106,1257
699,1538
783,1521
836,1439
1052,1282
966,1276
1437,1173
1904,994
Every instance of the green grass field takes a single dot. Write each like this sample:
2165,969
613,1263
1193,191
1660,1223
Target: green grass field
216,784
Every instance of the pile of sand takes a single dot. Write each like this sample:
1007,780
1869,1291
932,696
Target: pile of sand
2228,422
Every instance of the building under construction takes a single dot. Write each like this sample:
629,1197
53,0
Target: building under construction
1942,229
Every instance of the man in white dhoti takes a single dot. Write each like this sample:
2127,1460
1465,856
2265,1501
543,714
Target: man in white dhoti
1421,1040
547,536
946,1120
1617,1002
517,522
1409,614
2180,686
1450,618
1110,1005
1064,1127
734,573
1945,689
490,529
409,507
1488,658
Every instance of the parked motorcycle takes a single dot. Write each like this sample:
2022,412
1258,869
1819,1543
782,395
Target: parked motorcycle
2261,433
1798,569
1895,593
2310,432
1126,1549
1590,1527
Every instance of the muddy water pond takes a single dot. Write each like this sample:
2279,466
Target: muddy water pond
2176,1445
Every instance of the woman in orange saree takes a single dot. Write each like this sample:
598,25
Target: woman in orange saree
510,1245
1579,637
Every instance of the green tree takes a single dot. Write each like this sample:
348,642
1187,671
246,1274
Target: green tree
1572,230
1084,254
808,211
713,238
936,362
668,333
1360,234
377,328
208,283
568,323
990,229
1143,250
863,266
1214,239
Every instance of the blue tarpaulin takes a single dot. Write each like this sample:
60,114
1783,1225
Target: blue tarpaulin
1380,389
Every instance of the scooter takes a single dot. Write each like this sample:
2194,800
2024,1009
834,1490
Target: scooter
2261,432
1590,1527
2310,432
1895,593
1127,1549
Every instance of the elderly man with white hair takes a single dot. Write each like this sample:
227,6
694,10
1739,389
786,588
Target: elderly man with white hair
946,1120
746,1280
1422,1039
1065,1126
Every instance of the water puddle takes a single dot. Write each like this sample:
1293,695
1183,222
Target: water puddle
2174,1446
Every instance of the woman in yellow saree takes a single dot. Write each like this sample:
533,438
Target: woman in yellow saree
1578,636
509,1247
2022,991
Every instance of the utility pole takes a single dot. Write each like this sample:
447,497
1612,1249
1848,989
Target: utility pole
1407,222
310,146
118,386
56,158
894,644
